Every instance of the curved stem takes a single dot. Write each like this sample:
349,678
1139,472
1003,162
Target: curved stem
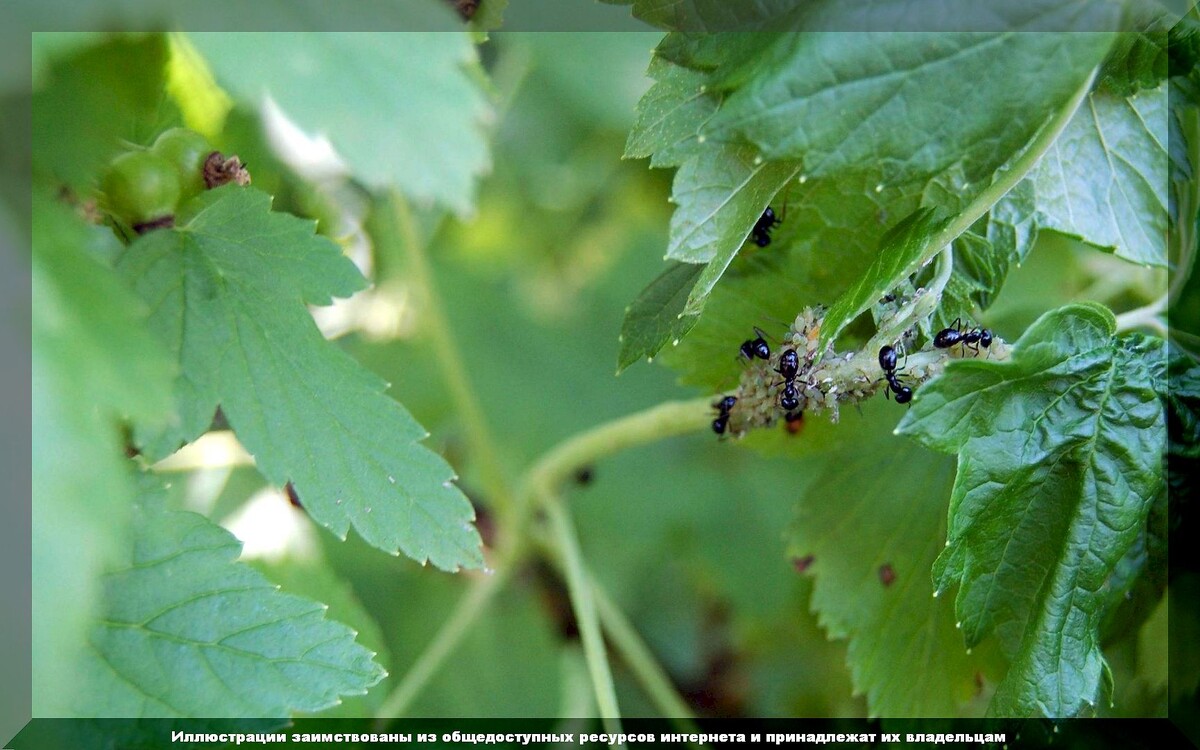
548,473
579,589
944,269
451,632
662,421
636,655
1144,317
449,360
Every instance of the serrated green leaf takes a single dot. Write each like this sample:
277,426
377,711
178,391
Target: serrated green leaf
670,115
917,103
402,109
831,231
312,578
188,632
870,556
1104,179
1060,453
228,287
657,315
93,364
720,193
881,15
899,256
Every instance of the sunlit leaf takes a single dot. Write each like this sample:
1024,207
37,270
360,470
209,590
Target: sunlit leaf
188,632
228,289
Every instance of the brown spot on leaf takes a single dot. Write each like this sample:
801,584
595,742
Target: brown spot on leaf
887,574
802,564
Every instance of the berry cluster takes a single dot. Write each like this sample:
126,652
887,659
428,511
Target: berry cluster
142,188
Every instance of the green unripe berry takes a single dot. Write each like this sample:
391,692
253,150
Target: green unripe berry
186,150
141,187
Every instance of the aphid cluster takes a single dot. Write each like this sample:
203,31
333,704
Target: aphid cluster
793,380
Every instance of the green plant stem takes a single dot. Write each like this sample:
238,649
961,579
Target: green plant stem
449,360
579,589
452,631
1145,317
636,655
656,423
631,648
662,421
1016,172
944,268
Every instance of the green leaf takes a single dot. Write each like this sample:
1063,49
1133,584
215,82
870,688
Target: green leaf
400,109
657,315
188,632
1137,60
311,577
720,194
1104,179
670,115
91,105
1060,452
228,288
831,231
94,363
915,103
899,256
892,494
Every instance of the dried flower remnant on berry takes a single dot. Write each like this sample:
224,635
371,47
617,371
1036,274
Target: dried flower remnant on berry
219,170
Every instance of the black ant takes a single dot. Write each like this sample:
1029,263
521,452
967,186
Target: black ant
758,347
887,361
723,408
789,365
761,233
954,335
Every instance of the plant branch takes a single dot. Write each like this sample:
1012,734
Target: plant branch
452,631
579,589
1145,317
548,473
449,360
641,662
1016,172
656,423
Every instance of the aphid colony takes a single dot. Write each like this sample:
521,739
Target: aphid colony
793,380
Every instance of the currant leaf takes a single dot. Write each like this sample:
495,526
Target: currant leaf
1105,179
1059,460
228,289
872,586
423,129
657,315
188,632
